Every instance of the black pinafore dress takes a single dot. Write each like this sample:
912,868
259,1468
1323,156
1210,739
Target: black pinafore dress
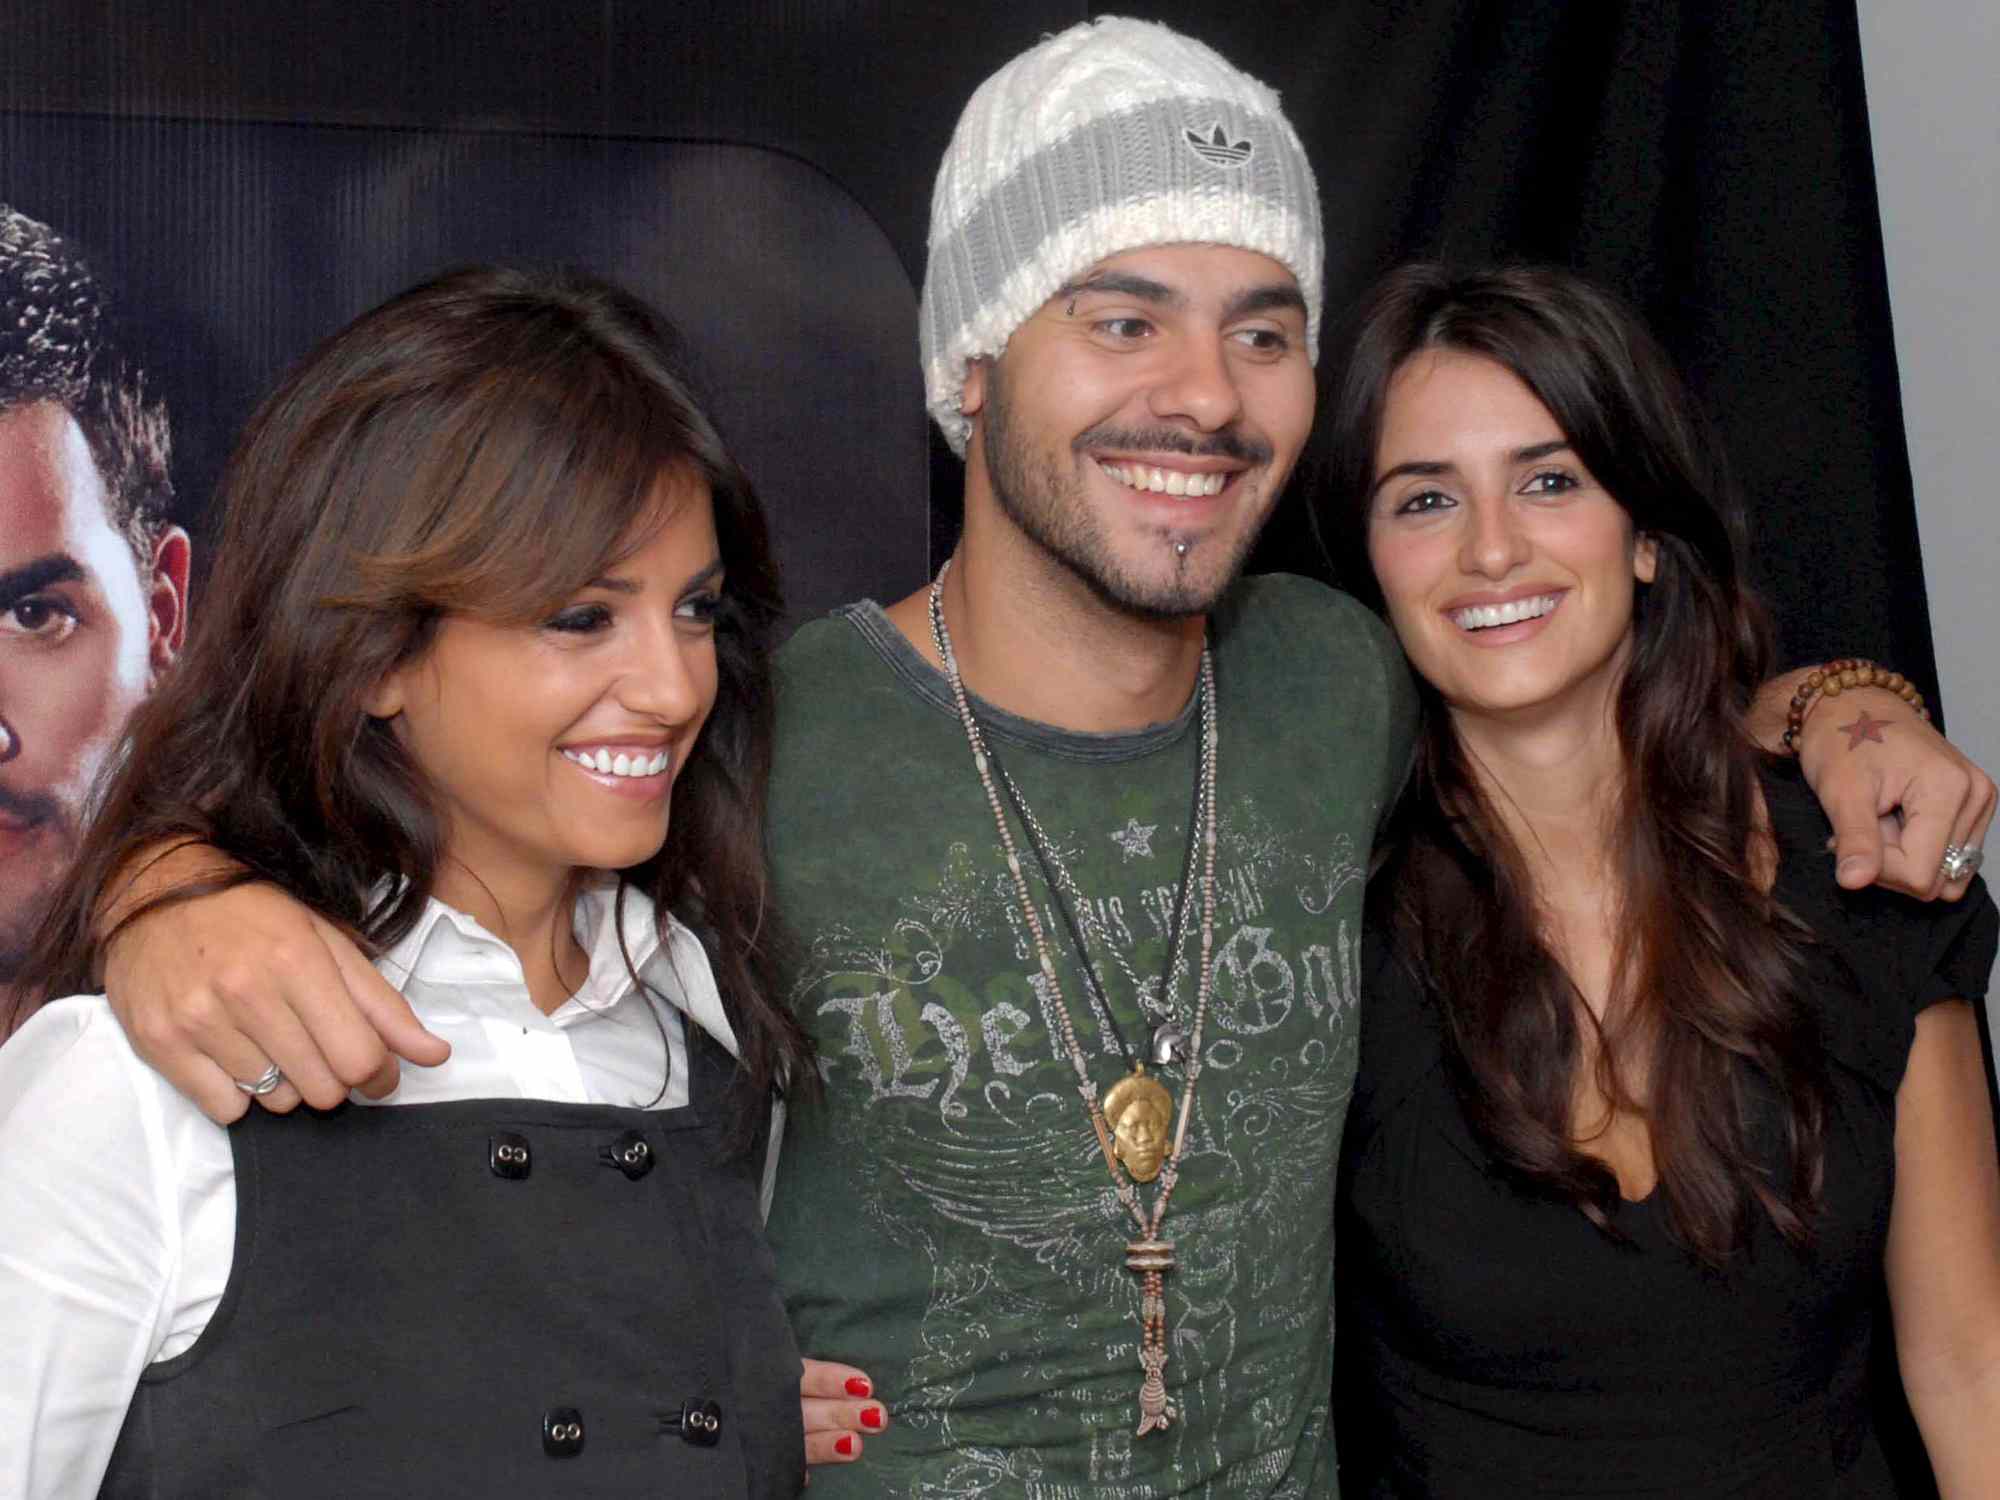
485,1298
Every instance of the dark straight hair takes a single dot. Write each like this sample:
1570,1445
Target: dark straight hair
58,343
484,444
1705,1011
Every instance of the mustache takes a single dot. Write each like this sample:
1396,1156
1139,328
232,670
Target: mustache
1227,443
28,807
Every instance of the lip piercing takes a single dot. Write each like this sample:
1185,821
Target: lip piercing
1180,549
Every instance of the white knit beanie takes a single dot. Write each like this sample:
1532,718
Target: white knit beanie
1112,136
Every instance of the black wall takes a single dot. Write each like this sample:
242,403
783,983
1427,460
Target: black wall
1711,162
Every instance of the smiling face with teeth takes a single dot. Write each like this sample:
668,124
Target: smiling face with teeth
1138,429
1508,571
555,746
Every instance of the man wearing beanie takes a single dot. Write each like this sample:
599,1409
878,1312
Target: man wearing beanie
1004,946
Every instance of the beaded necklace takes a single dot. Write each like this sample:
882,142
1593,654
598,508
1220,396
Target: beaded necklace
1131,1118
1167,1045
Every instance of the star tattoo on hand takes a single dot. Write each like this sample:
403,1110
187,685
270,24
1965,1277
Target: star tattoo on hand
1864,728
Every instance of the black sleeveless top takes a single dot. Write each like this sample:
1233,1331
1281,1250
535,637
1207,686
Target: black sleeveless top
1492,1344
484,1298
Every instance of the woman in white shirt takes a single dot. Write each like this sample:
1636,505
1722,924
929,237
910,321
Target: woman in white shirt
491,603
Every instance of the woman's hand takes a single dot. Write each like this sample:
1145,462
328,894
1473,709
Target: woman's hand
838,1409
221,987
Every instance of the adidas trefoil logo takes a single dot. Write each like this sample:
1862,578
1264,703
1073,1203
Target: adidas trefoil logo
1217,149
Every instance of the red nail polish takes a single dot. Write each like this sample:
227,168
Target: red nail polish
844,1447
871,1418
856,1386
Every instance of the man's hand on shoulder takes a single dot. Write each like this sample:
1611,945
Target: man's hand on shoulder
1896,791
221,987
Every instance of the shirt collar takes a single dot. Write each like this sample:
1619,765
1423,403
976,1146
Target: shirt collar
449,949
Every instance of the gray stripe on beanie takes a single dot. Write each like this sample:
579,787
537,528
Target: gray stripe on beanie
1117,159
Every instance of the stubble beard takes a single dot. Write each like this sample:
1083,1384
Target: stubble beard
23,907
1046,502
20,915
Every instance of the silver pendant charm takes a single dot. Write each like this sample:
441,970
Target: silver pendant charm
1169,1045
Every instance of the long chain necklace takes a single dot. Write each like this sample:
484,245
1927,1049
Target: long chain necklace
1168,1042
1131,1119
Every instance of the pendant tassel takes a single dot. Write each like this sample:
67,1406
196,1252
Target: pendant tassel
1152,1259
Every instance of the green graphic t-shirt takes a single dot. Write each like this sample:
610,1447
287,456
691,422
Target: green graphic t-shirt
945,1219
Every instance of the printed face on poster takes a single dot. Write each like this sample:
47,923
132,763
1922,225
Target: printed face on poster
158,277
93,570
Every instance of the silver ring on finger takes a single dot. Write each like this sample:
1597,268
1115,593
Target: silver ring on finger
1961,862
263,1083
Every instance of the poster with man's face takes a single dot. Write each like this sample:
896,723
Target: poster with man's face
93,571
172,268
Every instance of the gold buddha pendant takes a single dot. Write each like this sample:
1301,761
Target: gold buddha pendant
1140,1112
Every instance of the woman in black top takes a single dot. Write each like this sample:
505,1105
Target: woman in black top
1648,1107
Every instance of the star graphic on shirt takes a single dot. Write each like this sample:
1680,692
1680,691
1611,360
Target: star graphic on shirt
1863,728
1136,838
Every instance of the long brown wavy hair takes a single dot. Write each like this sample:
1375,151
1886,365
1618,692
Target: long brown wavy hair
1705,1008
484,444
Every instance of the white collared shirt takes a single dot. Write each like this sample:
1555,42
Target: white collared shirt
601,1046
118,1196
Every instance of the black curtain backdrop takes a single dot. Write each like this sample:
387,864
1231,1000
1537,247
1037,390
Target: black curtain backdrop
1709,161
234,246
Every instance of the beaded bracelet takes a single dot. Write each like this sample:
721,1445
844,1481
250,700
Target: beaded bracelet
1835,678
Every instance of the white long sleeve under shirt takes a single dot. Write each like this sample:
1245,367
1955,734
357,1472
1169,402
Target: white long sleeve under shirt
118,1197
